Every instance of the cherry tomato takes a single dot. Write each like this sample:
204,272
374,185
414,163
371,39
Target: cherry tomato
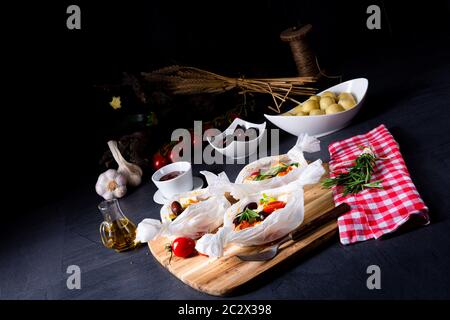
183,247
285,172
197,140
173,156
232,116
274,205
245,224
207,126
176,153
159,161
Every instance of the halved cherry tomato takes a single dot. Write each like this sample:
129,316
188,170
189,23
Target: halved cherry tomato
183,247
274,205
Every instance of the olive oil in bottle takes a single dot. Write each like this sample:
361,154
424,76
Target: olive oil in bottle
117,231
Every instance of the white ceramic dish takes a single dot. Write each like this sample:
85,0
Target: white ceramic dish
322,125
177,185
238,149
159,198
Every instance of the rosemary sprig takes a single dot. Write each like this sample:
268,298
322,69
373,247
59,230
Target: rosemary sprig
358,176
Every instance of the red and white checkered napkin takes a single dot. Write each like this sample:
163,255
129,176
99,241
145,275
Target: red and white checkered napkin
375,212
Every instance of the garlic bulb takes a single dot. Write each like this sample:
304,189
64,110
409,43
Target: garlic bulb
111,184
132,172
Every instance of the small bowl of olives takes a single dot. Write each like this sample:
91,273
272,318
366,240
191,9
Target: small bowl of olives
326,112
239,140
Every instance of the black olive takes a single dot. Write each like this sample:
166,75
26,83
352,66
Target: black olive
227,140
263,215
236,220
252,133
176,208
240,135
251,206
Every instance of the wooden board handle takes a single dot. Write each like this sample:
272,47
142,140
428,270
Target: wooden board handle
320,221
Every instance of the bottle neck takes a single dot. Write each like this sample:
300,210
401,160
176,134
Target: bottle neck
110,210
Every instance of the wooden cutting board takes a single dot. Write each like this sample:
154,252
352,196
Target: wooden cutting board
222,276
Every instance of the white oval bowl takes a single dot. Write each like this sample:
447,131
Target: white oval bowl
238,149
322,125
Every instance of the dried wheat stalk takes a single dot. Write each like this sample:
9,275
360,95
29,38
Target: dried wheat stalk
189,80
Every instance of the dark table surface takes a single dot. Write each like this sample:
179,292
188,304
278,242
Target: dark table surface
410,94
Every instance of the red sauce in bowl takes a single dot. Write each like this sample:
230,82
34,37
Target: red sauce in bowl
171,175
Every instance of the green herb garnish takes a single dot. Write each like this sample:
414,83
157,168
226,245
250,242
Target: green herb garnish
266,199
272,172
248,215
358,176
261,177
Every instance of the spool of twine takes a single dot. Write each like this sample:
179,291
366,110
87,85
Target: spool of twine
304,57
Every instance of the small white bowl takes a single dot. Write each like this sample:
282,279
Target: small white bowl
238,149
323,125
179,184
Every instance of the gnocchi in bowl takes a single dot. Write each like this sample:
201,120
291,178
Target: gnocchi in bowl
326,103
325,113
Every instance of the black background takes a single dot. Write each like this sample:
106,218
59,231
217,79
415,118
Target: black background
57,127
